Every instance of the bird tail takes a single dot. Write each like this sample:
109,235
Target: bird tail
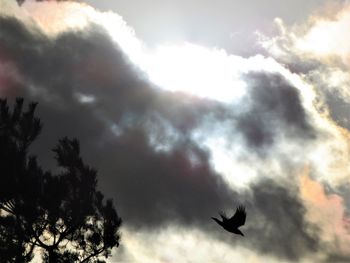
240,233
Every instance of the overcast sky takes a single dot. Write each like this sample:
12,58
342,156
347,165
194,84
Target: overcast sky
185,112
230,24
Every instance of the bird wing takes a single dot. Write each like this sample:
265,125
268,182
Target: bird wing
238,219
223,216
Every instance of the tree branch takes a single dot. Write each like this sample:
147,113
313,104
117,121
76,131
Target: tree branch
97,252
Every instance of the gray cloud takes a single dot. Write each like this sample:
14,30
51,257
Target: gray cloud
157,187
337,258
278,226
73,63
151,187
274,107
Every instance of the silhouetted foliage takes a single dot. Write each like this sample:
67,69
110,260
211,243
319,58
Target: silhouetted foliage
63,214
232,224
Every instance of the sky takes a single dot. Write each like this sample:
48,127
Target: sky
188,109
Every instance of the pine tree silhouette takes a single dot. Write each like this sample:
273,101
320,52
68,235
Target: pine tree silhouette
63,214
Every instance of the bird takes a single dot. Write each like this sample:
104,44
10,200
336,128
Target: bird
232,224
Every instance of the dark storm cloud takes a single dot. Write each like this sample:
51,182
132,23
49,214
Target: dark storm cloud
89,63
273,108
165,189
277,222
276,225
154,187
337,258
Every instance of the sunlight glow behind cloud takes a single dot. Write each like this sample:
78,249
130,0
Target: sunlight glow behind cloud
196,70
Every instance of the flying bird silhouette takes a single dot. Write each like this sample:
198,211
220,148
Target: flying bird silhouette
232,224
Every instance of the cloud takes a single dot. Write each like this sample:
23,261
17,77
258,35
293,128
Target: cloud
275,108
173,244
278,207
55,71
327,211
325,68
321,38
317,49
160,152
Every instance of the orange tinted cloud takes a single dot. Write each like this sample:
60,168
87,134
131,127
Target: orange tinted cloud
327,212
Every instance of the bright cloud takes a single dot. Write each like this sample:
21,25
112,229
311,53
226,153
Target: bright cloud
327,37
182,245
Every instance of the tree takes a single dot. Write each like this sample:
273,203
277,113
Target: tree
64,215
